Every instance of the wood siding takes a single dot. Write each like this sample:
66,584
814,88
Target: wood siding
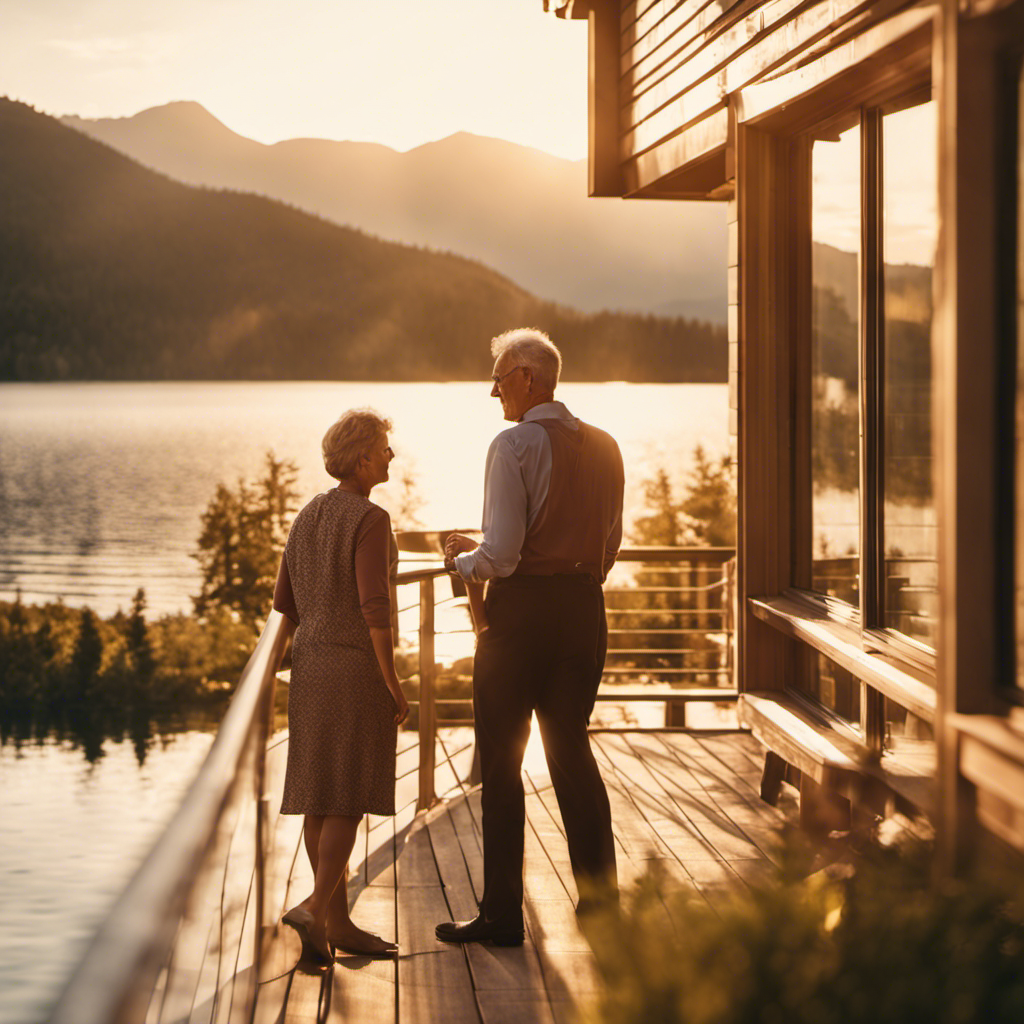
684,63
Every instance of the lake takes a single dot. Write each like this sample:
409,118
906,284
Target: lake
102,485
101,490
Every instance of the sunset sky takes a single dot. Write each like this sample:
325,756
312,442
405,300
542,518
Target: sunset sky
398,72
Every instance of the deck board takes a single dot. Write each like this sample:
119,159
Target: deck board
686,800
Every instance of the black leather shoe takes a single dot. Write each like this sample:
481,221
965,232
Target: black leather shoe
501,933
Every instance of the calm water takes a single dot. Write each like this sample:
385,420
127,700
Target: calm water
102,485
72,834
101,489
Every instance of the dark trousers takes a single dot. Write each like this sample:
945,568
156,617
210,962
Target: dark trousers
544,651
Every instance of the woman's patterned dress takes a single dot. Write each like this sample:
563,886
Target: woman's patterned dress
341,716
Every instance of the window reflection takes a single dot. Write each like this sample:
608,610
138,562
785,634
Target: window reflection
908,245
907,734
835,688
835,374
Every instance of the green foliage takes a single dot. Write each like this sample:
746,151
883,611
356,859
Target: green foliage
86,659
110,271
884,946
138,643
71,674
243,534
705,517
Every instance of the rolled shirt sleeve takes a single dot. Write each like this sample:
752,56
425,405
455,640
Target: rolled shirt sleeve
611,551
506,508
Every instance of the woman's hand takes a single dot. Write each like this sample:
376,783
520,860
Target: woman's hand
402,704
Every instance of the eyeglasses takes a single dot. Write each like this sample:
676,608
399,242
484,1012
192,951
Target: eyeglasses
497,380
388,451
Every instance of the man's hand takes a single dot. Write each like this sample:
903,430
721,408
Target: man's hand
456,544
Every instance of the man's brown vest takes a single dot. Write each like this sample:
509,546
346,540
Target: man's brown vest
584,501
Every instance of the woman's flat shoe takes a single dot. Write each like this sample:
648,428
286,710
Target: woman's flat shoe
301,919
294,916
390,948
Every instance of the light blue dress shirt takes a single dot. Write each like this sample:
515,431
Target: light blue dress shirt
516,480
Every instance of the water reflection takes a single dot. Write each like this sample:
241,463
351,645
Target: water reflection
79,814
91,730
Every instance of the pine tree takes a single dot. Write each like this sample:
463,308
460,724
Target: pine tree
244,531
710,506
86,659
139,644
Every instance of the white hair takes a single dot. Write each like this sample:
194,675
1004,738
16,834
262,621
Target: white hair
350,438
534,350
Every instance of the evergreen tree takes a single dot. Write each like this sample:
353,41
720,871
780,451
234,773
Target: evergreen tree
705,517
139,645
243,534
710,507
662,526
86,659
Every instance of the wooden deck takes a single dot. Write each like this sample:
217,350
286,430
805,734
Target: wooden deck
689,800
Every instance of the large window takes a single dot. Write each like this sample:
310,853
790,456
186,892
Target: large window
873,238
835,369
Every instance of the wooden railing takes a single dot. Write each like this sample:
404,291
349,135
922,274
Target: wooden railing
187,930
189,933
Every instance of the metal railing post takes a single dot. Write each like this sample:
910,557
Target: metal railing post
428,711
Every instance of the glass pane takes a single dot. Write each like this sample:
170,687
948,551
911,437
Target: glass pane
835,369
905,733
910,232
836,688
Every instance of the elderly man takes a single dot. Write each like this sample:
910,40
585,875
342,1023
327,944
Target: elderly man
552,526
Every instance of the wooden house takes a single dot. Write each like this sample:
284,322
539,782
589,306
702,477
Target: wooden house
868,153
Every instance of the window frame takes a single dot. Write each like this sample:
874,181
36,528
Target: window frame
865,617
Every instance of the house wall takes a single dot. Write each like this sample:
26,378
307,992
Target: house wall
709,100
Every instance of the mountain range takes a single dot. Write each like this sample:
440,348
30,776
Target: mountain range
110,270
523,212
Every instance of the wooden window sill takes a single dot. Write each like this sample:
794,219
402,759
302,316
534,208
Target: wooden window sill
848,648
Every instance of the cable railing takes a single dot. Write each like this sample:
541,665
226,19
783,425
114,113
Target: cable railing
187,938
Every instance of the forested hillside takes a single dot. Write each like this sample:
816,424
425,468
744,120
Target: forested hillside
111,271
524,213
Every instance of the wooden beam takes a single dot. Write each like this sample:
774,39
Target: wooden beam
605,170
762,99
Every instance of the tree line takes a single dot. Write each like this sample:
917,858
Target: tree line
67,669
110,271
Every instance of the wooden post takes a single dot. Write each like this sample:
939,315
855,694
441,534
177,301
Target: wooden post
428,713
769,190
605,170
973,414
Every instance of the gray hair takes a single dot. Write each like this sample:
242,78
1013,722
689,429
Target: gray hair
534,350
350,438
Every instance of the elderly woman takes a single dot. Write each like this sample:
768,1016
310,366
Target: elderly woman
344,703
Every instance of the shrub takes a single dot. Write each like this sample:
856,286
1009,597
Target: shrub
886,945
